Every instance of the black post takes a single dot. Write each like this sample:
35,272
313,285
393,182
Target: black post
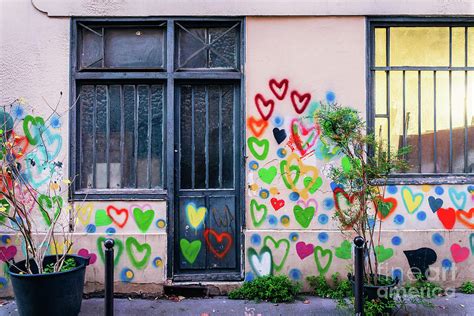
109,277
359,275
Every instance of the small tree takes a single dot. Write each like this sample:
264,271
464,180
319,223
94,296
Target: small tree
38,213
362,176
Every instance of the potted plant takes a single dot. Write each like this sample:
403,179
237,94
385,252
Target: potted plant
34,208
359,185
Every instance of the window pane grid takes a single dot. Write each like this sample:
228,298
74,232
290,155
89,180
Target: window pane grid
422,83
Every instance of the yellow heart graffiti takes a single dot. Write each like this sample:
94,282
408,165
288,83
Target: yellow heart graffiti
309,171
195,217
84,213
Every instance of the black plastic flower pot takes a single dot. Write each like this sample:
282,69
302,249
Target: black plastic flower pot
49,294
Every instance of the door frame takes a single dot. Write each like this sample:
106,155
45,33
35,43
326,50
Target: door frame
171,166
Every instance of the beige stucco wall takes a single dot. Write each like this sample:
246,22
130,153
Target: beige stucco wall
316,55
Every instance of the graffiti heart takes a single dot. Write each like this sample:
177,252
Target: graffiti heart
466,217
435,203
261,263
220,252
411,201
459,253
7,253
300,101
143,218
310,171
277,204
101,218
304,216
279,88
344,251
323,259
385,207
267,174
257,127
258,148
279,135
304,137
447,216
420,260
195,214
304,250
458,198
86,254
50,207
134,248
84,212
279,249
383,254
265,107
190,250
118,249
119,216
258,213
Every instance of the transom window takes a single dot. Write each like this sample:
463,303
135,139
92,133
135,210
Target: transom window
128,75
422,93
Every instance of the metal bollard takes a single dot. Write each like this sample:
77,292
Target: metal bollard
109,277
359,275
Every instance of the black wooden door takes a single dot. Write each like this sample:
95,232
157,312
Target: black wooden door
207,193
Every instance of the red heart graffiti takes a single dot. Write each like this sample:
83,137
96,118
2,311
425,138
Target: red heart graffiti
279,89
20,145
304,138
219,238
117,212
277,204
466,218
300,101
390,200
7,253
347,222
257,126
447,216
262,104
459,253
304,250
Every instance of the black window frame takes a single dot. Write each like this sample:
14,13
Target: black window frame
169,76
405,21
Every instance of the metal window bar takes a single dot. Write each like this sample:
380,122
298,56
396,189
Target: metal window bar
94,138
122,136
220,138
148,163
206,139
135,132
466,69
107,136
192,140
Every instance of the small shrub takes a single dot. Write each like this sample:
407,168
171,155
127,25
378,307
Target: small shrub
424,288
68,264
275,289
341,288
467,287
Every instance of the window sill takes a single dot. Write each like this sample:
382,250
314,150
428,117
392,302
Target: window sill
420,179
122,194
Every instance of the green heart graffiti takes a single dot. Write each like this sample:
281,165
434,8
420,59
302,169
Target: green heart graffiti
276,245
6,209
344,251
255,207
102,219
319,254
263,146
267,175
316,185
132,246
118,249
48,206
261,263
304,216
383,253
190,250
292,168
143,218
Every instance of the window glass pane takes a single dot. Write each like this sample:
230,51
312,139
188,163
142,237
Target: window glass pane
419,46
215,136
129,173
157,106
190,48
91,48
381,132
380,47
458,49
427,121
396,109
86,125
186,136
115,136
470,121
224,50
470,46
142,151
458,116
228,141
442,121
101,137
134,47
381,92
411,117
200,136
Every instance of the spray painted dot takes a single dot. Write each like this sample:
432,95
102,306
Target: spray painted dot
249,277
55,121
281,152
323,237
3,283
160,223
330,97
294,196
278,121
272,220
294,236
255,239
157,262
264,193
446,264
371,222
323,219
126,275
110,231
253,165
295,274
6,239
285,220
421,215
437,239
328,204
392,189
396,241
18,112
397,273
91,228
439,190
399,219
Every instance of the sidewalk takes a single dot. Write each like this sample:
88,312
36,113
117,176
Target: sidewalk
461,304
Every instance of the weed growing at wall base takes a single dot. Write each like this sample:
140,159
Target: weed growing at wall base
275,289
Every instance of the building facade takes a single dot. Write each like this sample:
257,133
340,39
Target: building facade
188,128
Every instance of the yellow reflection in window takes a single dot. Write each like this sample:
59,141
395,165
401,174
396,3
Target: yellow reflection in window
459,48
419,46
380,45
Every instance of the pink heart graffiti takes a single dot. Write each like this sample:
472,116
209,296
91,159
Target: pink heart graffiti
7,253
459,253
86,254
304,250
307,203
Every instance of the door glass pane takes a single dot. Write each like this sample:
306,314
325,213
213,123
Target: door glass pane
101,137
86,122
228,141
115,133
186,136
